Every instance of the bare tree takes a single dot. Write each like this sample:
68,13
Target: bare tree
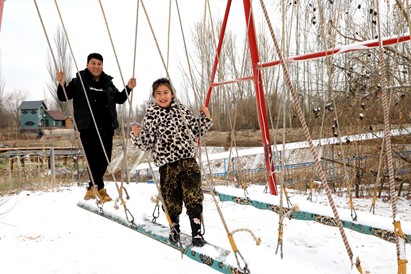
63,63
14,101
233,105
5,118
1,87
226,99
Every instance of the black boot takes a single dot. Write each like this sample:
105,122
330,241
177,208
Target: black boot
174,236
197,239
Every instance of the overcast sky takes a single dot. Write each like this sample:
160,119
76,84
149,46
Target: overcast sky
24,49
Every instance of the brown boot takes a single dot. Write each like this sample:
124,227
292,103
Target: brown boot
91,193
104,196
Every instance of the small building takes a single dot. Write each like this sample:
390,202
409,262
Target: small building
35,116
54,118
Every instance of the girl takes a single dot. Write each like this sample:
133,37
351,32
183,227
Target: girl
169,131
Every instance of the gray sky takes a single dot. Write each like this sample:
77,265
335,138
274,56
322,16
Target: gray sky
24,49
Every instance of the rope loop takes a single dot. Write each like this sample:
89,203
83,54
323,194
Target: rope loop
156,212
239,256
256,239
129,216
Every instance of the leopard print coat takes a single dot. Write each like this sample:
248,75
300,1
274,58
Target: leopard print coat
170,133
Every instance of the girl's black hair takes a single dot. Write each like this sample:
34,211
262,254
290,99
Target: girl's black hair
162,81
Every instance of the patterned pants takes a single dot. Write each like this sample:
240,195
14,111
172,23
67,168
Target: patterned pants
181,182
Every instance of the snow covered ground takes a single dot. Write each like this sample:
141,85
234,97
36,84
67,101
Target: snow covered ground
45,232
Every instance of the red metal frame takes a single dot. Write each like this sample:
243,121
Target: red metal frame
256,77
259,90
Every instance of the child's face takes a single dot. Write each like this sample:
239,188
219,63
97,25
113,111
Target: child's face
163,96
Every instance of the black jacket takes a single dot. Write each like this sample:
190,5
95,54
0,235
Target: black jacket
102,95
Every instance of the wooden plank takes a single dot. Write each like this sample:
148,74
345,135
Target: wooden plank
211,255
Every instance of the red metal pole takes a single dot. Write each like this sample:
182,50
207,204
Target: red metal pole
260,100
220,43
1,11
259,91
